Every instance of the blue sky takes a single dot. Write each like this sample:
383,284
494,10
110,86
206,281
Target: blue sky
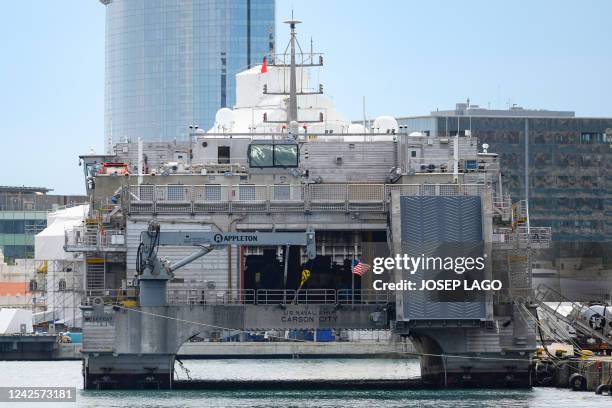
406,57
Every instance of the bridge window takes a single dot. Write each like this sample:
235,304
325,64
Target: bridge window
273,155
261,156
285,155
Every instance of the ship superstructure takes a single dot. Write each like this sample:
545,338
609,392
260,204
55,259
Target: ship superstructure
285,161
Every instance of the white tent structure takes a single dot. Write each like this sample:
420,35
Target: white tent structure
65,270
15,321
49,243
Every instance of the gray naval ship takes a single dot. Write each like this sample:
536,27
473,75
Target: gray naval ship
257,223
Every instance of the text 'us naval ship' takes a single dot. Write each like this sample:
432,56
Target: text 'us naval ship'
215,233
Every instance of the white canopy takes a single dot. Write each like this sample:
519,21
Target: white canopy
12,319
49,243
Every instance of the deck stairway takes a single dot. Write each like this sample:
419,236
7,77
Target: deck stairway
551,301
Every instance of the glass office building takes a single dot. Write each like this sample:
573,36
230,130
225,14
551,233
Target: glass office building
23,214
172,63
569,162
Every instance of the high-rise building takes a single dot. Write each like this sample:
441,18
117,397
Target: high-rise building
23,214
569,160
172,63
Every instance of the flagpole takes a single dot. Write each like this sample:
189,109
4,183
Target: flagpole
352,285
352,271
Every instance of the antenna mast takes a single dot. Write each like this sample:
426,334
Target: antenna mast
288,60
292,114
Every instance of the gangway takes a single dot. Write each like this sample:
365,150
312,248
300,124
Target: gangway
577,318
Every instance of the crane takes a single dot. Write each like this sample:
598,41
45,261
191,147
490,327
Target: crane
154,271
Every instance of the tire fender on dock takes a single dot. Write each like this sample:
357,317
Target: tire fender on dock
577,382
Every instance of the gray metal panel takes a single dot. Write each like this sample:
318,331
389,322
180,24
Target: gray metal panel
361,161
445,227
212,267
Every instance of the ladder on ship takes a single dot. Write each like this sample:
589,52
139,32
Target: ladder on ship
519,259
545,296
95,274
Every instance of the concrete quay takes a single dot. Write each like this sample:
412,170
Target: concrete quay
296,349
47,348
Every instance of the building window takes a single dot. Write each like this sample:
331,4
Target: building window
33,285
33,227
62,285
593,137
413,153
223,154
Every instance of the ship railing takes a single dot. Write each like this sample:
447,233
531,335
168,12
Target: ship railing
539,237
364,296
314,297
93,297
446,163
344,197
85,238
519,212
502,205
203,296
194,296
437,189
535,237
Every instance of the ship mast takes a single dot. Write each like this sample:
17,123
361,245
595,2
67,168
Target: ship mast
292,114
289,60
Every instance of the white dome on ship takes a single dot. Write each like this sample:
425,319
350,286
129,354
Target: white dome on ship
357,128
224,119
385,124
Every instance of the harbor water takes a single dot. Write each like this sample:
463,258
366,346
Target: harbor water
68,373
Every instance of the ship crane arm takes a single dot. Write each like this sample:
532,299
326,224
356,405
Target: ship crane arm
149,264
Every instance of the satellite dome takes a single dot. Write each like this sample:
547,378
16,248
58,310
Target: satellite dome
385,124
224,119
357,128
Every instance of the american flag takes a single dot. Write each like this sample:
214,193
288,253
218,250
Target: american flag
359,268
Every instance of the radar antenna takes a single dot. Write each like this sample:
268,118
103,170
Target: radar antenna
306,60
